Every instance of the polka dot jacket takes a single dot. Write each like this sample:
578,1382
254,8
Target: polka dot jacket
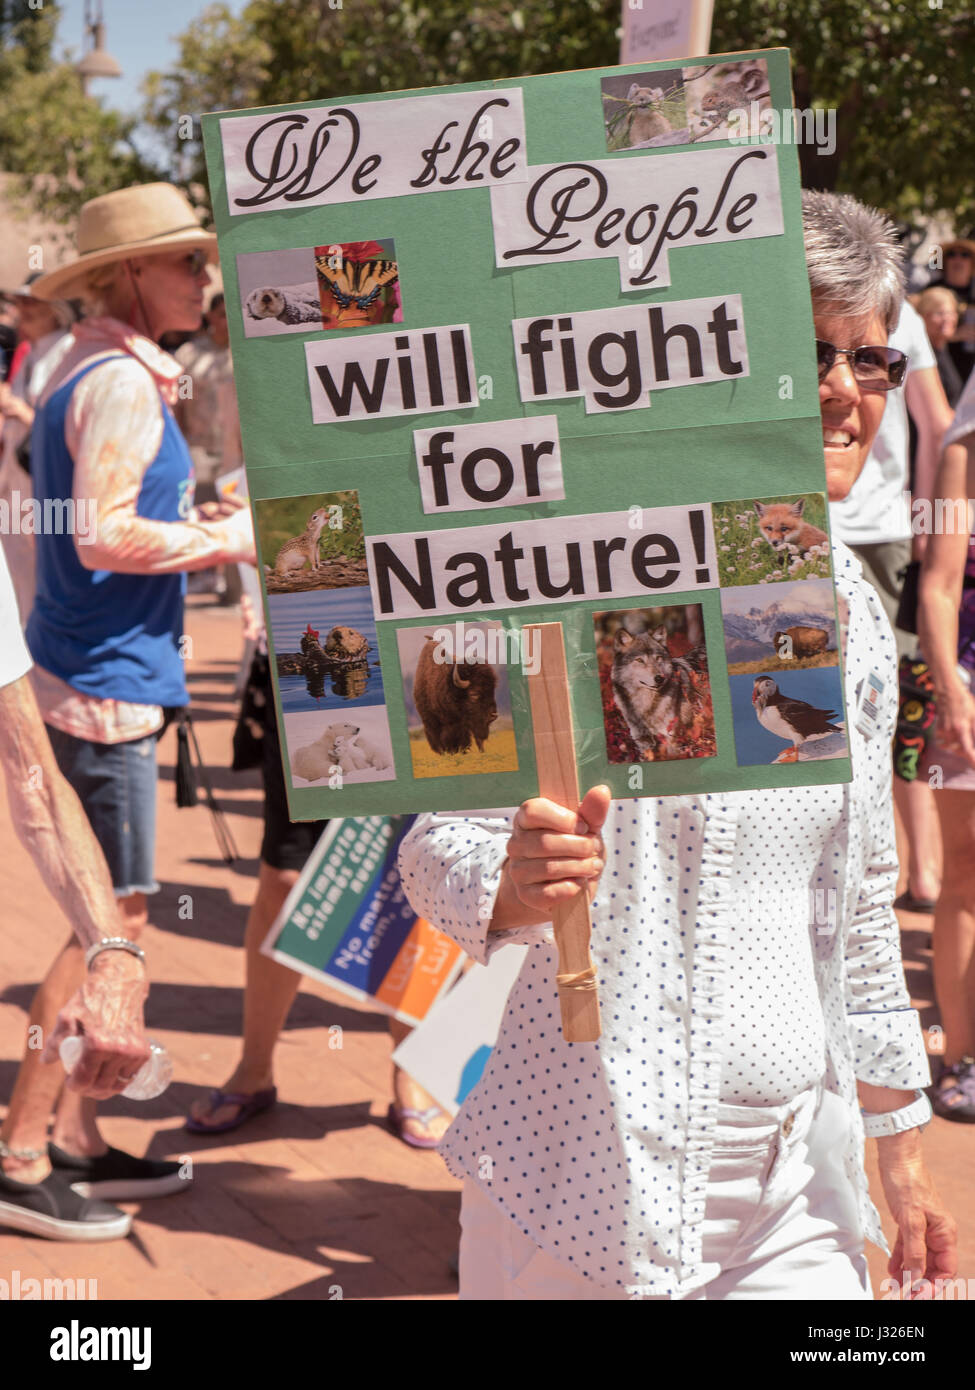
600,1151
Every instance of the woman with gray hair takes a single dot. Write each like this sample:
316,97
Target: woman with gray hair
710,1144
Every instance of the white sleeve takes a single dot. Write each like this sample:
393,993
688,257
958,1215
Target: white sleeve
14,657
964,421
450,866
911,337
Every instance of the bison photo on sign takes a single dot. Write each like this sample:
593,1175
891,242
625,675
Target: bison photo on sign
458,698
790,626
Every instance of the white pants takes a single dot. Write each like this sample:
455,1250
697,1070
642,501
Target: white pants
780,1219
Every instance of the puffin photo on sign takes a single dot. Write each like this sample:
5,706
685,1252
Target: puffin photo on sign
788,717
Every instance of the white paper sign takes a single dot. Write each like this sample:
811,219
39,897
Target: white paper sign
637,209
500,463
615,357
448,1051
658,29
369,378
352,151
612,554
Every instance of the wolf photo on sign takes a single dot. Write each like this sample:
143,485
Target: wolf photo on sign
656,690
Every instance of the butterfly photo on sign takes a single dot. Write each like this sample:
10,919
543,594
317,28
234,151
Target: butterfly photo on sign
358,284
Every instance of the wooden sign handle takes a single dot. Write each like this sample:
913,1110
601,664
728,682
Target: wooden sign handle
555,758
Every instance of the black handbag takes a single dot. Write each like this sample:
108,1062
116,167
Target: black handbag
906,618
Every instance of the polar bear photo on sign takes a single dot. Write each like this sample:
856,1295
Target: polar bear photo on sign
348,746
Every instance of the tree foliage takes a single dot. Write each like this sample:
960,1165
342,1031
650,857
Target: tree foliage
898,74
65,145
900,77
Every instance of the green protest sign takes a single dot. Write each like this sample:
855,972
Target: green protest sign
523,351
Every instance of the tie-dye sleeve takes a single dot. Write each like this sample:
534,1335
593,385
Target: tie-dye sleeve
113,430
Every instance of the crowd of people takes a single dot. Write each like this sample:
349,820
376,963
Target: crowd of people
669,1192
92,674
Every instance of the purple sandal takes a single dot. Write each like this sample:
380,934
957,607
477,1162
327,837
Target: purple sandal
249,1107
396,1114
956,1101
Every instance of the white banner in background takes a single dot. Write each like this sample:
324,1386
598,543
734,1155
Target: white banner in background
657,29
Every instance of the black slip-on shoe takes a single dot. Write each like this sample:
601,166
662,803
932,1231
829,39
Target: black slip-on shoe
119,1176
52,1209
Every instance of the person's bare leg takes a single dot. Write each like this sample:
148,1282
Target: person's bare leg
410,1095
37,1085
954,926
915,802
75,1126
269,992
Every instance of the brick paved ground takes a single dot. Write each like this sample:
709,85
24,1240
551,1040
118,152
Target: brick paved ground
316,1194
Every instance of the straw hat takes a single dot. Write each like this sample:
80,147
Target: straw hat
62,310
144,220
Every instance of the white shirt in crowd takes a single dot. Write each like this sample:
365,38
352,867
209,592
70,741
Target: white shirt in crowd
964,418
14,657
600,1152
876,508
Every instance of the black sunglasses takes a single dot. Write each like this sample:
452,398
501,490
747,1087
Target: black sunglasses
958,254
875,368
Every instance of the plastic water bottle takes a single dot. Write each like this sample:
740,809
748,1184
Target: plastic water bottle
150,1080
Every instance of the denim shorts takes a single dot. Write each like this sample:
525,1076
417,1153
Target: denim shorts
116,784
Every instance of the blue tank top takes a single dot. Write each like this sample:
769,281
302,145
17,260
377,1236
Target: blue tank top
112,636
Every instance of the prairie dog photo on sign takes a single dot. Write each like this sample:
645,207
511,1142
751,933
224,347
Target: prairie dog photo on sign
644,109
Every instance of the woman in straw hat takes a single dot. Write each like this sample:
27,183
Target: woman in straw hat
109,462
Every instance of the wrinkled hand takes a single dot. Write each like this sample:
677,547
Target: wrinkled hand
553,853
927,1237
956,721
106,1013
216,511
239,533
